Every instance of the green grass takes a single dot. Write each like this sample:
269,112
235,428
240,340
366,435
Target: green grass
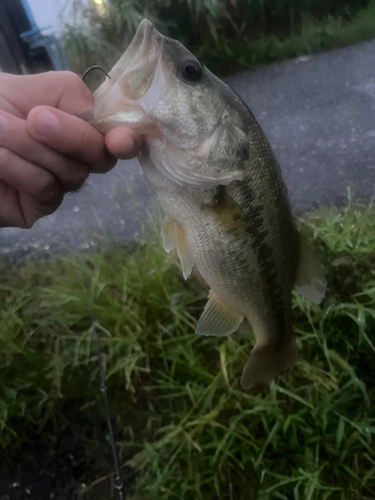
182,421
313,35
226,35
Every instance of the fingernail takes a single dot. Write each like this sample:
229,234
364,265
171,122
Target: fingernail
4,122
46,123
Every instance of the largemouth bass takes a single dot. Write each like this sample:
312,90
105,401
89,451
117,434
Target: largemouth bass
220,186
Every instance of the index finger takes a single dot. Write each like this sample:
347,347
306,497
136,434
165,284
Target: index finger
59,89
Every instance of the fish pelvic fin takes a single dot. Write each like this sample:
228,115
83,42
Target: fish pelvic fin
218,318
168,234
174,237
311,282
183,250
266,362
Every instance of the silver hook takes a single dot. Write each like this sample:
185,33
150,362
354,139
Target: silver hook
91,68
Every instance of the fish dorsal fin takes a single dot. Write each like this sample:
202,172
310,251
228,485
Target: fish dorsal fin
183,250
218,318
168,234
310,282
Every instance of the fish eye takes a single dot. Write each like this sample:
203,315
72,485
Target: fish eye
191,70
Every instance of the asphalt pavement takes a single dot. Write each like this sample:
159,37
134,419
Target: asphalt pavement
319,115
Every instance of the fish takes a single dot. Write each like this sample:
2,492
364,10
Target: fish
226,206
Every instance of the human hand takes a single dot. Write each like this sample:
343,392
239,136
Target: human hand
46,151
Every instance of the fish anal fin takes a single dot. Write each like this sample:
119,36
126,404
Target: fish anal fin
266,363
183,250
310,282
168,234
218,318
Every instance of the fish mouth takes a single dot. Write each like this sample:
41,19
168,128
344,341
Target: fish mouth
146,43
118,99
135,70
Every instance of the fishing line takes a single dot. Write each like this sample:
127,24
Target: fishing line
103,387
118,483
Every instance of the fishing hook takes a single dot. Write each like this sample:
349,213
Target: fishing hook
92,68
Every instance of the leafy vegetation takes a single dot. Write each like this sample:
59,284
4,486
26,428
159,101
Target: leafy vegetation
182,421
227,35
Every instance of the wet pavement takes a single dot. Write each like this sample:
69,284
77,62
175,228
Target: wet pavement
318,114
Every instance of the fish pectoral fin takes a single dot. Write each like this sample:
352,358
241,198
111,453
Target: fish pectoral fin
183,250
310,282
218,318
168,234
266,362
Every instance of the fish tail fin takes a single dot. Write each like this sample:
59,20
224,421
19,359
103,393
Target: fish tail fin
266,362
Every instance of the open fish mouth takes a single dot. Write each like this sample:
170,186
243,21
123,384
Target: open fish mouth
117,100
135,70
145,46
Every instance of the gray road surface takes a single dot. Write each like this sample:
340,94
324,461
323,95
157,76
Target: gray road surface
319,115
